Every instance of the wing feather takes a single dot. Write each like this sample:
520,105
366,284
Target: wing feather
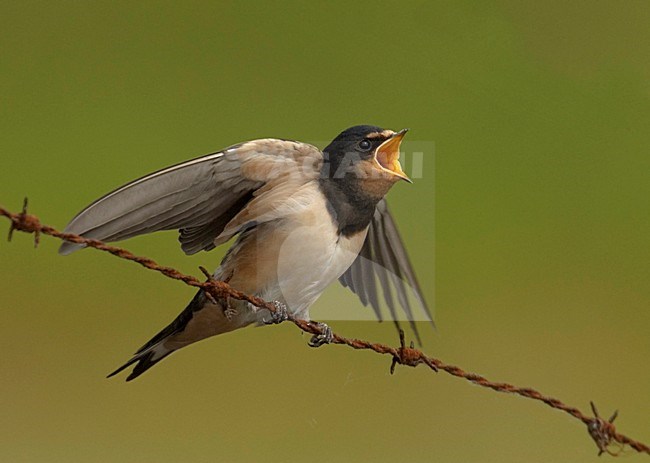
386,243
199,196
380,258
383,259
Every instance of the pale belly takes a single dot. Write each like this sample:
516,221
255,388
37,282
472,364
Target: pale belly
310,259
292,261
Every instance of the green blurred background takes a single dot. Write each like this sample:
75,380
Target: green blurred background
539,239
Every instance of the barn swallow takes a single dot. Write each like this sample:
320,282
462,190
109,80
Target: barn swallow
302,218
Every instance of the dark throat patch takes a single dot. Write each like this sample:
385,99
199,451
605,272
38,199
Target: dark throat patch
350,209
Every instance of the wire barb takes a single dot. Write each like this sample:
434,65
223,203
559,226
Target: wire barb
601,431
408,356
25,222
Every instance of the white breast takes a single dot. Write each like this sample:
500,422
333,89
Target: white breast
294,253
312,256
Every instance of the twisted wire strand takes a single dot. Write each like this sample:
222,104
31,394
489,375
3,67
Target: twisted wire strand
602,431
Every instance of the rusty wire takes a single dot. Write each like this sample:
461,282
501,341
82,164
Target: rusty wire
601,431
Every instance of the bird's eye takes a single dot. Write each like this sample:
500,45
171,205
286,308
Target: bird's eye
365,145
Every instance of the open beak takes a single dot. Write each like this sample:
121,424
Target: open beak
387,155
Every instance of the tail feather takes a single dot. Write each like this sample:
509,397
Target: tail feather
154,351
126,365
144,361
198,321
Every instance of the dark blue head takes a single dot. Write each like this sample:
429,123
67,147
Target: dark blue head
364,151
349,140
360,165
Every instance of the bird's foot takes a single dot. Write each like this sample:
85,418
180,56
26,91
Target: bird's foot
281,314
228,310
230,313
326,335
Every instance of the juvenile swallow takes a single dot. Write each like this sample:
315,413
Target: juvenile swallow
302,217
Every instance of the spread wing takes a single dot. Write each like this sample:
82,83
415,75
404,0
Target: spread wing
199,197
383,260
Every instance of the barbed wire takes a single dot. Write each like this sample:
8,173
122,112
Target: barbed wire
602,431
